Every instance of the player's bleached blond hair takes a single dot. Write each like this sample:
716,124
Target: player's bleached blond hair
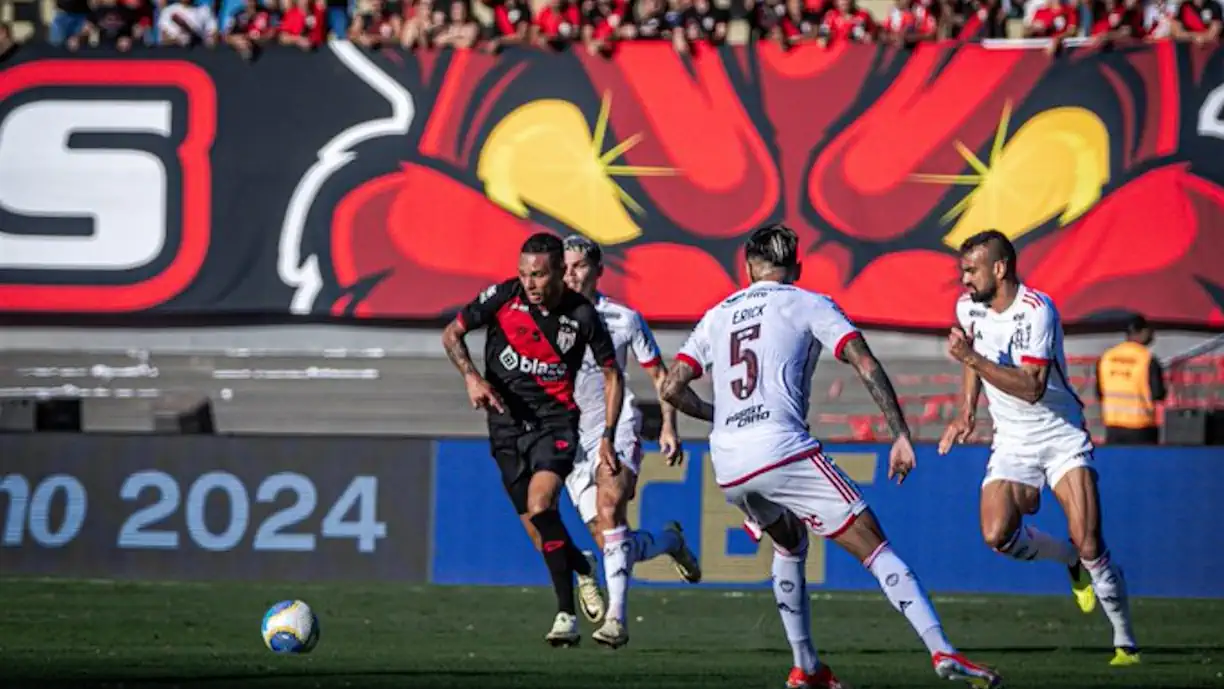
777,245
586,247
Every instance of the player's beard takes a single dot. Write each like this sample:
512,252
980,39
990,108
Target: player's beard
985,295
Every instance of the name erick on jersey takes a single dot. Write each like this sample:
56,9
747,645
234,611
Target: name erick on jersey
629,332
760,346
1027,332
532,357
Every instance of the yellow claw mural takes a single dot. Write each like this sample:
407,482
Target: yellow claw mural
545,156
1055,165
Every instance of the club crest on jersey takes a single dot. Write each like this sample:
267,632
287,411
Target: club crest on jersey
566,337
1022,335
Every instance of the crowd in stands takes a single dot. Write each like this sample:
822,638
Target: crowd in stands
599,25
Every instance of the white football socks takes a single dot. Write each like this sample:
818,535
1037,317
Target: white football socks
618,567
1110,588
794,606
901,587
1030,543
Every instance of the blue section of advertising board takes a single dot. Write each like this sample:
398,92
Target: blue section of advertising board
1161,505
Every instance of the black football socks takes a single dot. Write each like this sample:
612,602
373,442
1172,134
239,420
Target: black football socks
556,546
578,561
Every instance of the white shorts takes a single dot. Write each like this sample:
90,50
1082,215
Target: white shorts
809,485
1040,465
581,482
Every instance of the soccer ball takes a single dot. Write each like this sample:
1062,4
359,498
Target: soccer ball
290,626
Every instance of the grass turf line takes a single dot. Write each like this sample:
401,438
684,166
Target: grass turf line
120,634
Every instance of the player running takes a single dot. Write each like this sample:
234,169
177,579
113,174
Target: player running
602,496
1010,340
760,346
538,335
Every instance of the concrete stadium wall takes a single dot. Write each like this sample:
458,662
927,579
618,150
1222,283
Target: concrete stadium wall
362,380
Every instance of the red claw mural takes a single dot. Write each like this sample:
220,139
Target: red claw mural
416,176
882,160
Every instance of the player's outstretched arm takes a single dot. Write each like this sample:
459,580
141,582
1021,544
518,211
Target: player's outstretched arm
875,379
676,392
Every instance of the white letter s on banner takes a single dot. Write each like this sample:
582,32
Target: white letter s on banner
122,191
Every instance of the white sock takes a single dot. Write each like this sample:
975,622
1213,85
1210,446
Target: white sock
1030,543
1110,588
618,566
906,595
648,546
794,606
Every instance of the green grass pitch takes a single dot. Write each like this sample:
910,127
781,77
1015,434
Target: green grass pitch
114,634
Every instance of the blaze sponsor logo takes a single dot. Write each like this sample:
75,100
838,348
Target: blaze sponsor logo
513,361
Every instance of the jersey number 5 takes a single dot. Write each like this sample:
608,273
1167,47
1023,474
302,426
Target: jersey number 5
740,354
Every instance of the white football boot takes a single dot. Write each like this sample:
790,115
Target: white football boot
612,634
590,598
564,631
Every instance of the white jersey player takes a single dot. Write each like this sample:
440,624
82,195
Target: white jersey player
602,498
1010,340
760,347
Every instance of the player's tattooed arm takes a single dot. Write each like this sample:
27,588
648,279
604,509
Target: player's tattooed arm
875,379
676,392
456,348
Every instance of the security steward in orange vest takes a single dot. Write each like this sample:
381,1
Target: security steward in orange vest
1129,384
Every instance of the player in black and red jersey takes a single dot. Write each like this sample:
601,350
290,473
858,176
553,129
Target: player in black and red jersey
538,332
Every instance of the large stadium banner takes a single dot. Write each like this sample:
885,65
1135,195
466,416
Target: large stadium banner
211,507
392,185
1160,505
